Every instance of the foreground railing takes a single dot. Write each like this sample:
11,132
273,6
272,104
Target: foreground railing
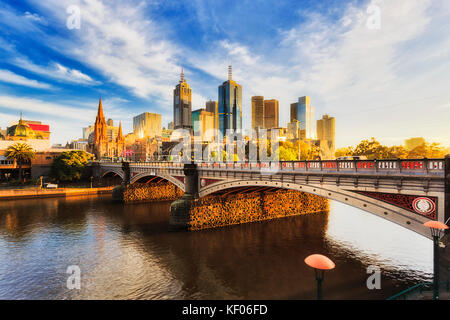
419,289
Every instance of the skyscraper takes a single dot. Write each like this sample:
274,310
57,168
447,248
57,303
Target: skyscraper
271,114
147,125
257,112
304,112
203,124
182,105
213,106
230,105
326,136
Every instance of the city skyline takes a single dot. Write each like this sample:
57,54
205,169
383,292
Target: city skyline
362,77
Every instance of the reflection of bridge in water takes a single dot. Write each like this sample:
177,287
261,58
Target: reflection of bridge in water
408,192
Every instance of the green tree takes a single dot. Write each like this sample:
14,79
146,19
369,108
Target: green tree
342,152
69,165
22,154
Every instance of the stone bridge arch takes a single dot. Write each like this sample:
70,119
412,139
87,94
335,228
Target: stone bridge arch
117,172
156,173
390,212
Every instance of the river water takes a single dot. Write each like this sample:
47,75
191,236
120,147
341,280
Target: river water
125,251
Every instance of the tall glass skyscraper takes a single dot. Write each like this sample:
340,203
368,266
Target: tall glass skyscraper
303,112
230,105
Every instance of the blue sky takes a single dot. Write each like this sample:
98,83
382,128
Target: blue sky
390,82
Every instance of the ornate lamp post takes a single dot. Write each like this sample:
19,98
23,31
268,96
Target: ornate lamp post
436,228
320,263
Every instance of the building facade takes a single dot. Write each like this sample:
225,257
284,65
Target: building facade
326,133
203,125
304,112
213,106
147,125
257,112
271,114
230,105
182,97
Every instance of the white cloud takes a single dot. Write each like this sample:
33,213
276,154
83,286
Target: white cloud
373,81
38,106
55,71
35,17
11,77
117,40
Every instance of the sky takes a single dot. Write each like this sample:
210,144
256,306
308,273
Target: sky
380,67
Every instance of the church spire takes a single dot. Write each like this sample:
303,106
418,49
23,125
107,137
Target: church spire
100,109
120,134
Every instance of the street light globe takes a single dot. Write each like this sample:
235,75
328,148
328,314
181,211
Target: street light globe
321,262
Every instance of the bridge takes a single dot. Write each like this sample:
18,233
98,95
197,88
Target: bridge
407,192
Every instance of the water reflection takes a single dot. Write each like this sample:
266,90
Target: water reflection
126,252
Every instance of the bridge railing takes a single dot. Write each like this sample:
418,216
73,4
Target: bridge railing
378,167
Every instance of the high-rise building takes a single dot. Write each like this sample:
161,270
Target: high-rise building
326,128
304,112
147,125
257,112
213,106
230,105
203,124
182,97
271,114
326,136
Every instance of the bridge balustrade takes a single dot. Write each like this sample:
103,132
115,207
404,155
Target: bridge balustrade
388,166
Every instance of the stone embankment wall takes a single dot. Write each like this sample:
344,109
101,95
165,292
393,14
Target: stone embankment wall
217,211
151,192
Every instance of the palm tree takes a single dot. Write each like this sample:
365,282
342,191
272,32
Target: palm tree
21,153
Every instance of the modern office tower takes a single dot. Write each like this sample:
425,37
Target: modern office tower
257,112
271,114
147,125
182,105
304,112
213,106
203,124
326,136
230,105
326,128
293,130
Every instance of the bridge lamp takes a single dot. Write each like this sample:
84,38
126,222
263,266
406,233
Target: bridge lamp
436,228
320,263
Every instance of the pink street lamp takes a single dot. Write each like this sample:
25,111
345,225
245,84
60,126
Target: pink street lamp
320,263
436,228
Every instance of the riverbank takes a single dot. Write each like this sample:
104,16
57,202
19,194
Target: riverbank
33,193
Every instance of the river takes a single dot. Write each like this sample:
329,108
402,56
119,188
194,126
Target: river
125,251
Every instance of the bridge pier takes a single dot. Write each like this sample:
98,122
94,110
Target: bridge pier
180,209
